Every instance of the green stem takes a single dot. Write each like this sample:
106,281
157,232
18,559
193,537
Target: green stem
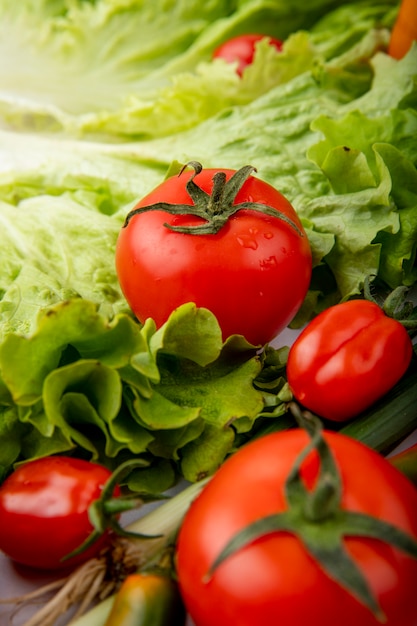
215,209
97,616
392,418
104,511
406,462
395,304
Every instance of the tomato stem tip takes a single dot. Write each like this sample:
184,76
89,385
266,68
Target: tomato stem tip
215,208
103,512
395,304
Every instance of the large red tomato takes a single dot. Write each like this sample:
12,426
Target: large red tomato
250,268
275,579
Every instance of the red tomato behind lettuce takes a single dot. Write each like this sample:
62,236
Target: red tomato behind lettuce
44,511
241,50
347,357
274,580
253,274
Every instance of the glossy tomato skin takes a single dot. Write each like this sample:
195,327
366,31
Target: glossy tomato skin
274,580
43,511
253,274
241,49
347,358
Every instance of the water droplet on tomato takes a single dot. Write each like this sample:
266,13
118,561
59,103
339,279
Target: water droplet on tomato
268,263
247,241
268,235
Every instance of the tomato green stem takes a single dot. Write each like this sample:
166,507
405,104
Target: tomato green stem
319,503
395,304
103,512
214,209
317,518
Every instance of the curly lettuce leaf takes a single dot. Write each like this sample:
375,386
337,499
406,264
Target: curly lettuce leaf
211,87
354,216
399,248
368,155
25,360
106,49
87,394
118,68
280,133
53,249
74,392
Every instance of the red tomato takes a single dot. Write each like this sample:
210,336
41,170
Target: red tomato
347,358
241,49
44,511
253,274
274,580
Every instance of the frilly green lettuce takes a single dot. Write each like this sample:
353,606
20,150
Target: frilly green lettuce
126,69
113,390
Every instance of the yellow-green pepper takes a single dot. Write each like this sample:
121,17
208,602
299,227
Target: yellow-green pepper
147,599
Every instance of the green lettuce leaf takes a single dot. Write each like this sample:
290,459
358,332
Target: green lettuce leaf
76,392
25,360
140,69
107,49
54,249
369,155
211,87
85,394
274,133
399,248
92,174
12,431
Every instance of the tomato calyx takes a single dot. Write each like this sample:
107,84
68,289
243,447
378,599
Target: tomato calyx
215,208
395,304
103,513
317,518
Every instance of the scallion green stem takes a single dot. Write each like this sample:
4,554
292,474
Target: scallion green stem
96,616
164,520
391,419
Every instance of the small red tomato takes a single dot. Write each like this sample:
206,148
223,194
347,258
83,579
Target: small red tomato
275,578
234,246
241,49
346,358
44,511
